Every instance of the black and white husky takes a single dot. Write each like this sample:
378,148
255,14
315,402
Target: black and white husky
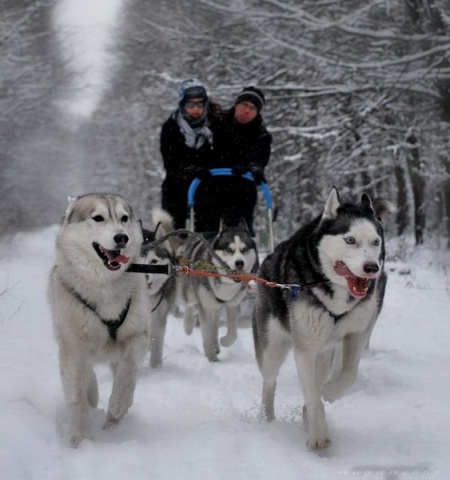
161,288
333,268
234,246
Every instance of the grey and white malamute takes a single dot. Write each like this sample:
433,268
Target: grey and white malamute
161,288
100,312
234,246
333,268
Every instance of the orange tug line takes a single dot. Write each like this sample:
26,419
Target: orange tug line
293,287
205,273
244,278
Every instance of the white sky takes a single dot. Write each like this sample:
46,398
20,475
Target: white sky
85,30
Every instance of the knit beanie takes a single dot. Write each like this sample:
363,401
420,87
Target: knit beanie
191,88
253,95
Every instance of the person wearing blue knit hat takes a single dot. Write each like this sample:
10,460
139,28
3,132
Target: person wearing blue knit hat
186,145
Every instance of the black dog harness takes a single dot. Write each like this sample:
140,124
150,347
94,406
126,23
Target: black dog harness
112,325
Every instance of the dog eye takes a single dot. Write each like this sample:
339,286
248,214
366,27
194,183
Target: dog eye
350,240
229,250
124,219
376,242
98,218
153,261
245,250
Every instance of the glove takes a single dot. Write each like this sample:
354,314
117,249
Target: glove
239,170
258,174
202,173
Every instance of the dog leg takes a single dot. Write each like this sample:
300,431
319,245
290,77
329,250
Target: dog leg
232,323
270,362
189,319
209,323
124,381
122,393
92,388
75,378
158,325
352,348
317,427
324,366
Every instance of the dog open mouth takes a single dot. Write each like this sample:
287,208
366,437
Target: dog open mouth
357,286
111,258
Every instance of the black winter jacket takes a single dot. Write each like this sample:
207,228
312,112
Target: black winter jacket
181,163
232,198
242,145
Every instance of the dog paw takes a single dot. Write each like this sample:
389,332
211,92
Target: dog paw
332,391
212,358
110,422
318,443
77,437
228,340
155,362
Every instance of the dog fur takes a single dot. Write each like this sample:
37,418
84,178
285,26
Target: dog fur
99,310
235,246
162,289
341,255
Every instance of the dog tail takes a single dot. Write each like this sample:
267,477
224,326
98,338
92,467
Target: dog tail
162,217
163,222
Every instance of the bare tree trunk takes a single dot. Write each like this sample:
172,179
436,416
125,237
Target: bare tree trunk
416,172
402,199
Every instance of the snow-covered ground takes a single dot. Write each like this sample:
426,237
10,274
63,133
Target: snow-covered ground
194,420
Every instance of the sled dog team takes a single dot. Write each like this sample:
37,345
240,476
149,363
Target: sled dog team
330,287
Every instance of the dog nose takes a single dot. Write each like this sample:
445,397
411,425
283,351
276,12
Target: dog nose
371,268
121,239
239,264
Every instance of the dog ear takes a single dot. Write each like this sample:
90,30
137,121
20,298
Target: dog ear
332,204
70,204
242,225
366,204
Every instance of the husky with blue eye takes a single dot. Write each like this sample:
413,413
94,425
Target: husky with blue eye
100,311
334,266
236,248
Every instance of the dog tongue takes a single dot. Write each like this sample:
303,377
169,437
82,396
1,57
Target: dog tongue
120,259
342,270
115,256
357,286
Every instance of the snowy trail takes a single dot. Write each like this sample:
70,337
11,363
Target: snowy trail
197,420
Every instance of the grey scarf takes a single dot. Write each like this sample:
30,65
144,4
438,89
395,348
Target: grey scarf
194,137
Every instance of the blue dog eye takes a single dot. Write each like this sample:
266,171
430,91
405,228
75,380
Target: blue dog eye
350,240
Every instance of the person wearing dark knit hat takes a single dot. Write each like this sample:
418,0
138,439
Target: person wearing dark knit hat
186,145
243,144
253,95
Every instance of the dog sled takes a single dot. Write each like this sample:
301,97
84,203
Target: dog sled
248,176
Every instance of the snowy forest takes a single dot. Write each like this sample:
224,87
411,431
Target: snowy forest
358,96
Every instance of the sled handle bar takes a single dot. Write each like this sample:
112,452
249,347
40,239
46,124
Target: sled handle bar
215,172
